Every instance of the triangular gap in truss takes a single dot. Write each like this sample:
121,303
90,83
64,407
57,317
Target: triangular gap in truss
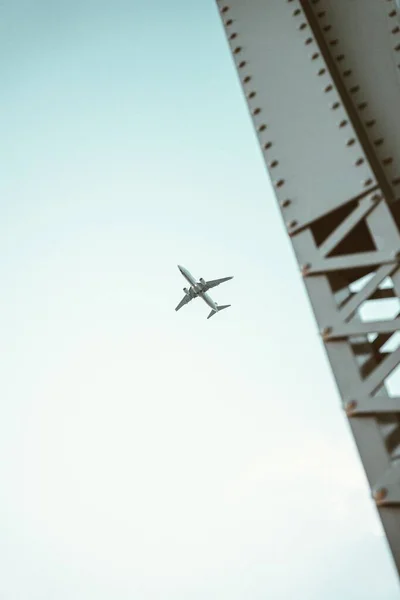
325,225
370,361
386,284
366,355
385,309
357,240
391,343
392,382
358,284
369,297
347,277
373,349
384,343
375,363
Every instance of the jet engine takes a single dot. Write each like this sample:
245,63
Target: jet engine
202,281
186,291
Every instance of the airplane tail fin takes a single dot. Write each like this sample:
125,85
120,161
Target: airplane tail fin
213,312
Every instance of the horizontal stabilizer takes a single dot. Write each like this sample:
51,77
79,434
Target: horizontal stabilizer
213,312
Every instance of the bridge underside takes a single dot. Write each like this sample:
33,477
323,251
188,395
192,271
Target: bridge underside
322,82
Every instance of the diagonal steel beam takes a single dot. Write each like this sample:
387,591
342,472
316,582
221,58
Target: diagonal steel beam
330,136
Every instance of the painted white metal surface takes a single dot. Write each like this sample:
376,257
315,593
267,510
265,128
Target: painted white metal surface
322,85
299,117
369,70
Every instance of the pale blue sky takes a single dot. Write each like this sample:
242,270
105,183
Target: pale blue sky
148,454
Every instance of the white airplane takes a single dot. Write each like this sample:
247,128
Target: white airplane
200,289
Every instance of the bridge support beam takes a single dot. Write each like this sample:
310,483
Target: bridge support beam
322,82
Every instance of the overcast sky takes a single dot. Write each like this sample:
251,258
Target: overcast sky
147,454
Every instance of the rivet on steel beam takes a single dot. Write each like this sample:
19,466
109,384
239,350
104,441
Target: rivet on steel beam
378,142
321,72
327,28
355,89
229,22
350,406
308,41
359,162
296,12
397,48
326,331
256,111
347,73
370,123
274,164
388,160
396,181
225,9
305,269
392,13
280,183
367,182
233,36
292,224
340,57
303,26
362,105
247,79
335,105
251,94
285,203
343,123
334,42
237,49
262,127
321,14
242,64
351,142
268,145
396,29
380,494
328,88
376,198
315,56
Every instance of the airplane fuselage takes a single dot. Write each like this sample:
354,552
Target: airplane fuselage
197,288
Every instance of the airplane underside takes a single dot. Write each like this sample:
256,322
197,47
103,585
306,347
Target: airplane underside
199,289
214,312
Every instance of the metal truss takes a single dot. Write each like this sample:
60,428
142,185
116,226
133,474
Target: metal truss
322,81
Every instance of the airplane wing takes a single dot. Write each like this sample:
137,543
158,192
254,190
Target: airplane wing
214,282
184,301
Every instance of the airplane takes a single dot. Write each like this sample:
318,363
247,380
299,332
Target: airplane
200,289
